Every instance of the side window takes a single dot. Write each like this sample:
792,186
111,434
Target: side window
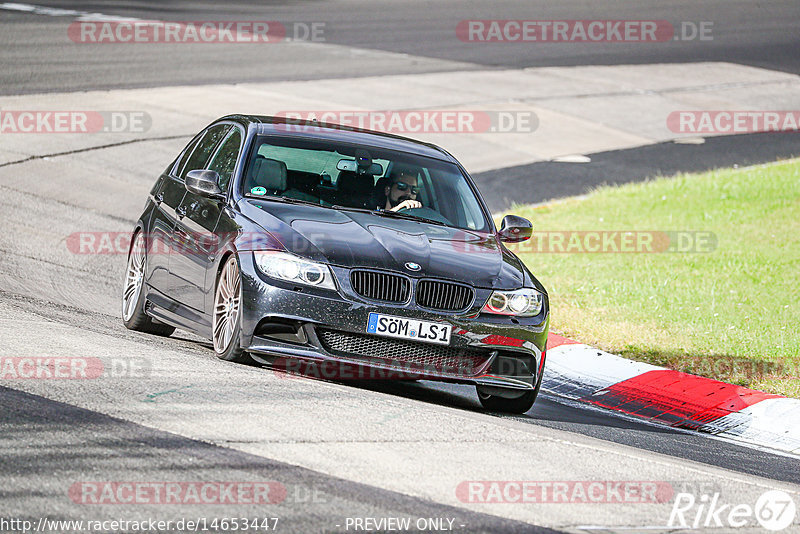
204,148
470,221
225,159
427,193
179,164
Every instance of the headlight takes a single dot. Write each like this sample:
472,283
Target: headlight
290,268
522,302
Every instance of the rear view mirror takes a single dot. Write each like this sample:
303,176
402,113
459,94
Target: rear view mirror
376,169
515,229
204,183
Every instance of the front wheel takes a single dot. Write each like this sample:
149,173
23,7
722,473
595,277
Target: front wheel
227,318
133,315
518,405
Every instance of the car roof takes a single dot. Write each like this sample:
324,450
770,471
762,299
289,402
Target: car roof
288,127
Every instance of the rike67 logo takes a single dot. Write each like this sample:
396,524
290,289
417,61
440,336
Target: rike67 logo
774,510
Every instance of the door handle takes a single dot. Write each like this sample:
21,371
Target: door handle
181,211
158,198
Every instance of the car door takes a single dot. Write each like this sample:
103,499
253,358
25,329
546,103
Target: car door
197,220
167,196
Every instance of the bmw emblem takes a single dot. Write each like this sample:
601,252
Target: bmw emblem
411,266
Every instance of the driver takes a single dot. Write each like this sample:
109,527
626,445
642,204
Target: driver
402,192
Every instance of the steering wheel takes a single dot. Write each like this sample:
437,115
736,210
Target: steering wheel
426,213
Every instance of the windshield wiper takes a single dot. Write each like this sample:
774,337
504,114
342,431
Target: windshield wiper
407,216
288,200
348,208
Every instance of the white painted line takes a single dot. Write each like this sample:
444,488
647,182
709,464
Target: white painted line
689,141
56,12
17,7
572,158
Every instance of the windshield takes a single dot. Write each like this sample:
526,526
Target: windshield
340,175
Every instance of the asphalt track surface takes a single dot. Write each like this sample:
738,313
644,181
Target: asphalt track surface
763,34
547,180
40,438
369,449
420,37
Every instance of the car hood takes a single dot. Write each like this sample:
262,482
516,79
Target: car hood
357,239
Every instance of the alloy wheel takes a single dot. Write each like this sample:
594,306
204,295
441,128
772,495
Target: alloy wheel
133,278
226,306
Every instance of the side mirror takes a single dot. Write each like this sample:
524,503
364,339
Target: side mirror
204,183
515,229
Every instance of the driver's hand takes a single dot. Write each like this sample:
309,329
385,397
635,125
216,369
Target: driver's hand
407,205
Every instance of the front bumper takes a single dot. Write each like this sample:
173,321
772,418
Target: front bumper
327,328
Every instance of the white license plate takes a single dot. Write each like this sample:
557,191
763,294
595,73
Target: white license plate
405,328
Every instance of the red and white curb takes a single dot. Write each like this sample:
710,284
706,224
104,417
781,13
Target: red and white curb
586,374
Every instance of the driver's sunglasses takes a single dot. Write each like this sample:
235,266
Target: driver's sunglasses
402,186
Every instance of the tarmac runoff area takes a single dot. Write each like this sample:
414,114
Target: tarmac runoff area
488,119
55,185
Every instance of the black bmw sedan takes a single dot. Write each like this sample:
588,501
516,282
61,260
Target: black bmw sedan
301,244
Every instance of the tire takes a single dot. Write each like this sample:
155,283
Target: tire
518,405
226,318
133,315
